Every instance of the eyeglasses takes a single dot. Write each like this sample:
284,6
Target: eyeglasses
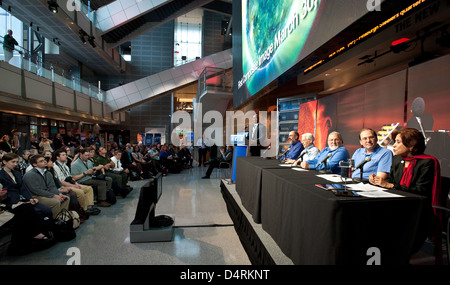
368,138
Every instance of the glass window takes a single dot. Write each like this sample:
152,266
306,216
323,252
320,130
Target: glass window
188,37
33,130
22,120
34,121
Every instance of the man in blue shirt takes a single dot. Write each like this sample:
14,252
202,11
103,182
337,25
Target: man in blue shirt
380,158
337,153
294,150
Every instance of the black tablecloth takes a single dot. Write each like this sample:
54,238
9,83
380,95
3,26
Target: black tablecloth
248,182
313,226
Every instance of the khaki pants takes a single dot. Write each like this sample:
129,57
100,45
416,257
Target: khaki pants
85,195
54,204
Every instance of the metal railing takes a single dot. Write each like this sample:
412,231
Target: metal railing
214,77
27,60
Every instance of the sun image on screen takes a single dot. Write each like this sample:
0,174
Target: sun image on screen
307,117
273,36
326,115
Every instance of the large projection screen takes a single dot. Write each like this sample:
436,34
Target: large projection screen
273,36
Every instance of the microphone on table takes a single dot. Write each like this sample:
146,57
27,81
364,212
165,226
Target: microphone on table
367,159
301,155
284,153
325,162
325,159
360,166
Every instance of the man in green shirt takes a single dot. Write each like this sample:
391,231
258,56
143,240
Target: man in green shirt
121,179
8,45
82,171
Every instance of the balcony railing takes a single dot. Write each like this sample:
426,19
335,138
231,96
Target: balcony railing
213,78
26,60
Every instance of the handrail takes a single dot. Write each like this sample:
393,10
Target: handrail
35,64
210,72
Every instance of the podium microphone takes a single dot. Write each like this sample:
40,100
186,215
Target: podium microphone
264,153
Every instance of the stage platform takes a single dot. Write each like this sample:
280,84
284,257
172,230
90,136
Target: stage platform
259,245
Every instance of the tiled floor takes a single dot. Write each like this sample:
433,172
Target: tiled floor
203,232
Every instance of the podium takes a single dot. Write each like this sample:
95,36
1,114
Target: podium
239,151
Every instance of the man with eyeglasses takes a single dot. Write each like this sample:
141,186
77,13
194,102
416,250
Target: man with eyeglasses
379,159
41,184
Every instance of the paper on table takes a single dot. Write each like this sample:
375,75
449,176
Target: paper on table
333,177
364,187
378,194
285,165
298,169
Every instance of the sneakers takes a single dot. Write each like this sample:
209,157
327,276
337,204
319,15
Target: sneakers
103,204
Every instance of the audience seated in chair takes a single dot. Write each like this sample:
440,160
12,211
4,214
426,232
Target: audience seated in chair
41,184
82,171
12,179
28,231
226,155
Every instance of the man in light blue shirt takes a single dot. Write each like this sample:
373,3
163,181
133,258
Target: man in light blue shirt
294,149
337,153
310,151
380,158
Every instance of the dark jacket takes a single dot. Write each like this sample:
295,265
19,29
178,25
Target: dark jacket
422,178
6,147
15,190
421,184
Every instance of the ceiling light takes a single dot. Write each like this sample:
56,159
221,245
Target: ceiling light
53,6
400,45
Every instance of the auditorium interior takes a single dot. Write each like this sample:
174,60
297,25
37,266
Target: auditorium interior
125,71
